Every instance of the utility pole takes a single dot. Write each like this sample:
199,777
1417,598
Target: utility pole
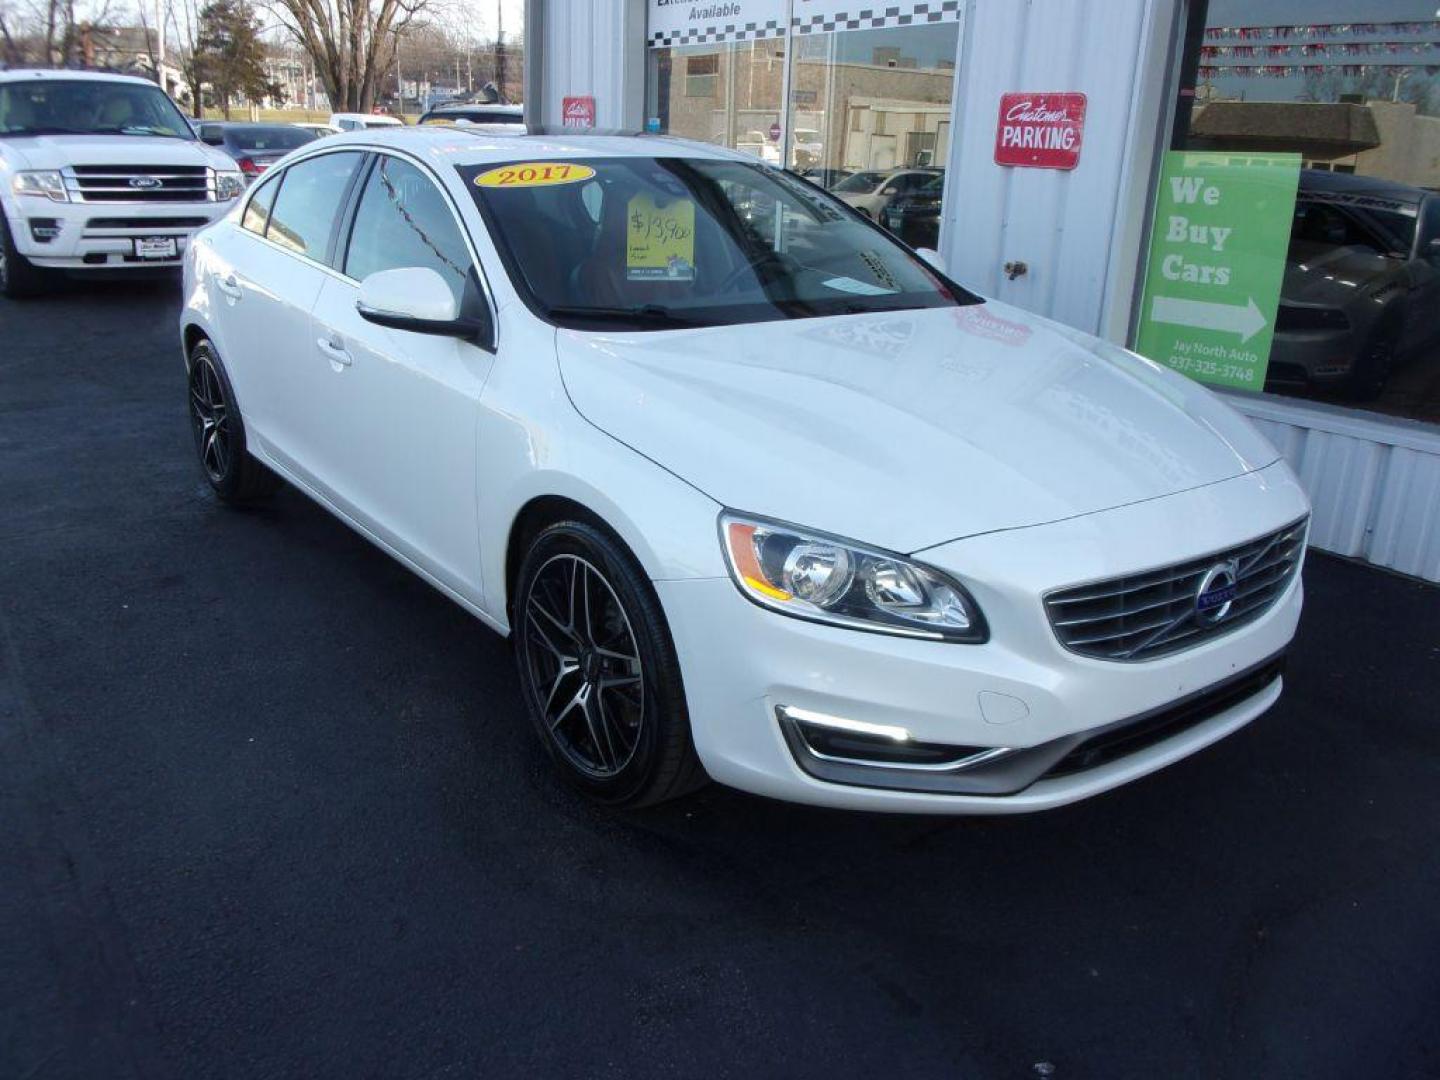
500,47
399,79
160,45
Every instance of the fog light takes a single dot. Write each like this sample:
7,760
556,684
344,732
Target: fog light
44,229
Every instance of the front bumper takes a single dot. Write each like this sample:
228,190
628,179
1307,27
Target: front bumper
1020,691
101,236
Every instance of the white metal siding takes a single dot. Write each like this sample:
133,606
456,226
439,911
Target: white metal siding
1375,484
1076,231
596,48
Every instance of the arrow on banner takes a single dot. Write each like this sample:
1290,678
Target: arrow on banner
1246,321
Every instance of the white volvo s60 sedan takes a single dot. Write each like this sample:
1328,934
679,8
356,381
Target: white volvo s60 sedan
757,492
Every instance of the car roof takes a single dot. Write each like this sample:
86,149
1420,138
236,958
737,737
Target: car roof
506,142
373,118
1315,181
59,74
478,106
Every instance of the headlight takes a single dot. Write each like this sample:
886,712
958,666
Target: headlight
44,185
824,579
229,185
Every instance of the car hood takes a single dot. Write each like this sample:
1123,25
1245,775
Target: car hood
908,429
1326,274
57,151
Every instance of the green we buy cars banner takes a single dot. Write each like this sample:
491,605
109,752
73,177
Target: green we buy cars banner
1217,261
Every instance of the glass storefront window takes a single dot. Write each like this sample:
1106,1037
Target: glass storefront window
869,110
726,94
1296,242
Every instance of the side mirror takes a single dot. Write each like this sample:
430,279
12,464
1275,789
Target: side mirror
933,257
416,298
889,189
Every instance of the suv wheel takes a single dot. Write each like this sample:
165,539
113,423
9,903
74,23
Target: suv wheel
19,277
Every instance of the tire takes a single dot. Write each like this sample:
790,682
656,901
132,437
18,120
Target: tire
598,670
230,470
19,277
1374,366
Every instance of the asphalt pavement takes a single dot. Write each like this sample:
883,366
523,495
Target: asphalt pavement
268,808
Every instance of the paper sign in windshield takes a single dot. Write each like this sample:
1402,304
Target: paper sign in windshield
534,174
660,239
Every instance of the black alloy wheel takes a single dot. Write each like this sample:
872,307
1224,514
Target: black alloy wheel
210,419
219,432
600,677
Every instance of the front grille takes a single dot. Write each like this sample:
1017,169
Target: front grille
140,183
1142,616
1131,736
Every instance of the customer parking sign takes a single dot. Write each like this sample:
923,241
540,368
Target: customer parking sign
1217,262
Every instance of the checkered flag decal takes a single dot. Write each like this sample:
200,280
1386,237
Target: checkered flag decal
877,19
706,35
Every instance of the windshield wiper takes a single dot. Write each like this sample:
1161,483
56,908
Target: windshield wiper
641,313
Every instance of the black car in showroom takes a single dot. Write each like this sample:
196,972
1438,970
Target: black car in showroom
915,218
1362,284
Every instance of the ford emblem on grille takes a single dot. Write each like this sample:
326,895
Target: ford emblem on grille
144,182
1216,592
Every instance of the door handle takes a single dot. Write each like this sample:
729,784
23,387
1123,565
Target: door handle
230,286
334,350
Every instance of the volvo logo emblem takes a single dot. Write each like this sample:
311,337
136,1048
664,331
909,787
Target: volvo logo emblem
144,182
1216,594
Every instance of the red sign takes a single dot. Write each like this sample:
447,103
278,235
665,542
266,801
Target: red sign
1040,131
578,112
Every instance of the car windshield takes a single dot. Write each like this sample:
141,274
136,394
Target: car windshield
860,183
88,107
268,138
656,243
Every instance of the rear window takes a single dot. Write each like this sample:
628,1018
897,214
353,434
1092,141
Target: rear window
268,138
860,183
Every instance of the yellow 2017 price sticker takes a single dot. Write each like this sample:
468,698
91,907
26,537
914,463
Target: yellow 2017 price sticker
534,174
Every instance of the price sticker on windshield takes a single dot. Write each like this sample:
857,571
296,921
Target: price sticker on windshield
534,174
659,239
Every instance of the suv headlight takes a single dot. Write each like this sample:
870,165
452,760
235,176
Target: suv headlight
822,578
45,184
229,185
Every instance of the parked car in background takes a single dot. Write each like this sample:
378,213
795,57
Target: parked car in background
345,121
99,172
1362,283
796,512
872,191
320,130
915,218
255,147
470,112
826,178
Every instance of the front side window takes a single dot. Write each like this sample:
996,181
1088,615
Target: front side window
657,242
89,107
404,220
310,197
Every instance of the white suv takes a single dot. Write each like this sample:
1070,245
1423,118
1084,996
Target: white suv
99,172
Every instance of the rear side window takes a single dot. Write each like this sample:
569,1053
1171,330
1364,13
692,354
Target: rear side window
257,211
404,220
309,200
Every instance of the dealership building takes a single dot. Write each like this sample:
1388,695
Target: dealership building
1245,191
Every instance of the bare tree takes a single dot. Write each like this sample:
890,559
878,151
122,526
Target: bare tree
352,42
